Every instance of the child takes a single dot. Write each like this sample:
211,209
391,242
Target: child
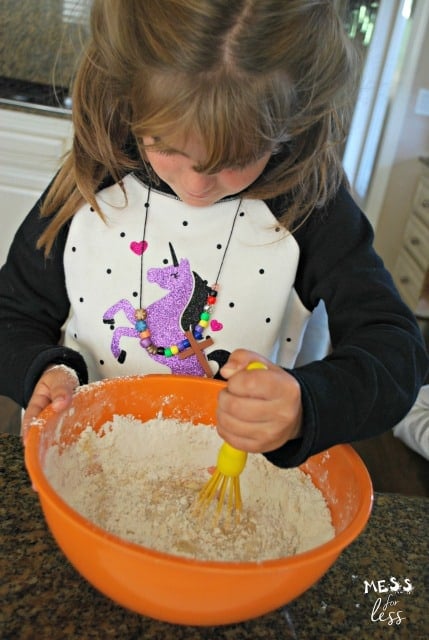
413,430
200,218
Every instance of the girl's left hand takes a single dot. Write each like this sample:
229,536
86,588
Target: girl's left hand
259,410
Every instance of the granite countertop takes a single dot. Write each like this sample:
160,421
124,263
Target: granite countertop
43,597
40,46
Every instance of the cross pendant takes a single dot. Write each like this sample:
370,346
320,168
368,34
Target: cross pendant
197,349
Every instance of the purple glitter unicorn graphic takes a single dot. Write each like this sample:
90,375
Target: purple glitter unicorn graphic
167,317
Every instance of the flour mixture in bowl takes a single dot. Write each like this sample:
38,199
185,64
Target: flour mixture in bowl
140,482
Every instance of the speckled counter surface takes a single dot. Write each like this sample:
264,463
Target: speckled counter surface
42,41
42,596
40,47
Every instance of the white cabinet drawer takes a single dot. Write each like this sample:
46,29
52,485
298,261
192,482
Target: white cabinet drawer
31,150
416,240
31,145
24,150
409,278
15,204
421,200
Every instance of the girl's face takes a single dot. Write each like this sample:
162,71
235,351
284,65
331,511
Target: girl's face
176,164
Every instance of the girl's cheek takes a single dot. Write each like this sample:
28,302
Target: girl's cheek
236,180
161,164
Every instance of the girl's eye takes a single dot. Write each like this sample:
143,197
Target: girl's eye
166,152
239,167
234,168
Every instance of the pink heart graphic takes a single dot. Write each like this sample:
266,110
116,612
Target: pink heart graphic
138,247
215,325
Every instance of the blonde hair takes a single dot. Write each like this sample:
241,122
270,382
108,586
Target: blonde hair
245,77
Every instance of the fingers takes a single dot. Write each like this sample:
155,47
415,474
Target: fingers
56,386
37,403
240,359
259,410
61,394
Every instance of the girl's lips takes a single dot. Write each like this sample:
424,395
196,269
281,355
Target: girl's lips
206,199
199,196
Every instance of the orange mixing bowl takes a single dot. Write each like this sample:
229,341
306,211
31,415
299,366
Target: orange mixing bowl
167,587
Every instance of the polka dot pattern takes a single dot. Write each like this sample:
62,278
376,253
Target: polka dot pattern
258,261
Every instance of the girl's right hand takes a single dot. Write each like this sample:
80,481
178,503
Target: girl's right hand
55,386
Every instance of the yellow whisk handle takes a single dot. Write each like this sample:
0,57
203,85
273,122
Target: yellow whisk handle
256,365
231,461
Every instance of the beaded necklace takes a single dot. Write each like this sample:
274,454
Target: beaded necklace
193,341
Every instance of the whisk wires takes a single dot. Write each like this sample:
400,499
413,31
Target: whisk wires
224,485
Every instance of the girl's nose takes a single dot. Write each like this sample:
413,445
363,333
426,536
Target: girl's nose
198,184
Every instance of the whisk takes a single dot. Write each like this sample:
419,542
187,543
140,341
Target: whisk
225,481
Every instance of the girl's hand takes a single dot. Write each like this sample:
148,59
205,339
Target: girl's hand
260,410
56,385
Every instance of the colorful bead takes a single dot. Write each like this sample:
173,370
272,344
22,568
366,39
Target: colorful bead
140,325
151,349
198,330
140,314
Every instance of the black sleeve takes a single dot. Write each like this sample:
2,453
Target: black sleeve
33,308
378,361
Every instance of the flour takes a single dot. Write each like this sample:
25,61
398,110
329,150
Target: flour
140,482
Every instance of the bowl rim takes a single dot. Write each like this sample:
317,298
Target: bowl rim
326,550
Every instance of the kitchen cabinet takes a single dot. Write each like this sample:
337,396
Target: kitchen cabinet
411,271
31,150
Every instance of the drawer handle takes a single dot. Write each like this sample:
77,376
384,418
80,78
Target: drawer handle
425,204
404,279
415,241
